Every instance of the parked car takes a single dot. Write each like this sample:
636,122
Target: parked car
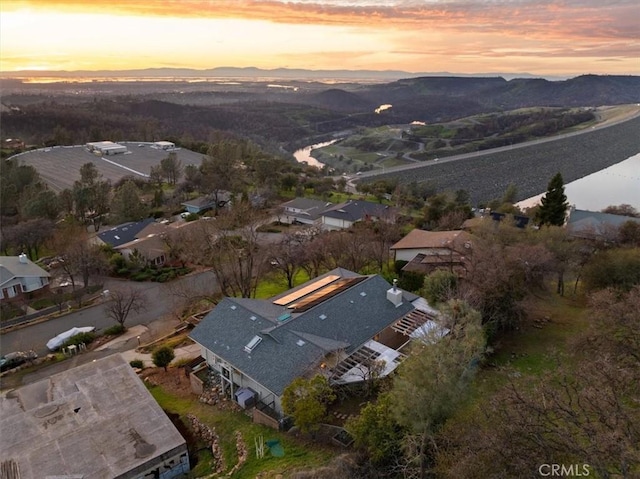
60,339
13,360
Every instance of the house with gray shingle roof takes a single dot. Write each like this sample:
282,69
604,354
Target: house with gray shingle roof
345,215
334,325
124,233
19,275
304,210
595,225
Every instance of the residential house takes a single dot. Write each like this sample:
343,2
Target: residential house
303,210
149,243
427,251
519,221
124,233
595,225
19,276
345,215
334,325
93,421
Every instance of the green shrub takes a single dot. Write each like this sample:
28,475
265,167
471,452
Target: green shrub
617,268
398,265
141,276
163,356
115,330
41,303
9,311
85,338
137,363
161,278
411,281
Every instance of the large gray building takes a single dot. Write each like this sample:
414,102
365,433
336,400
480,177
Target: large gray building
93,421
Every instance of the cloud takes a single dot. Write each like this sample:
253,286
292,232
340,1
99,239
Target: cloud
413,35
530,18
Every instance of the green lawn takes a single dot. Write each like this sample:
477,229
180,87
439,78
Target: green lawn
275,283
226,423
543,339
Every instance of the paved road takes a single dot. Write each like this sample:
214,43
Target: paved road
161,301
426,164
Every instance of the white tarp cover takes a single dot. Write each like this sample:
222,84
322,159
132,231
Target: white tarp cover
61,338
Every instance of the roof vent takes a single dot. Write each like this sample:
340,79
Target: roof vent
23,258
300,342
323,316
251,345
233,306
253,318
363,294
394,294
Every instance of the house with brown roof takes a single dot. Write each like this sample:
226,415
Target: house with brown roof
427,251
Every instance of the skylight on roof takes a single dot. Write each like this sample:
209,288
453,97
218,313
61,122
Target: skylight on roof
251,345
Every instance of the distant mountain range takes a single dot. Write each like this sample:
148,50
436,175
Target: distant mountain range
259,73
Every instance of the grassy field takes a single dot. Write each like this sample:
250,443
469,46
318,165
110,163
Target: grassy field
544,339
395,145
276,283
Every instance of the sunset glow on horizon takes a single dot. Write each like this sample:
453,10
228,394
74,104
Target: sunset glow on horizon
518,36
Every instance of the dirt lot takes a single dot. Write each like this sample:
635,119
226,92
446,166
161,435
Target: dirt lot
174,381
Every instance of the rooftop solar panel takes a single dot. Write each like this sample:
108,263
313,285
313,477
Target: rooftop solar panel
306,290
325,293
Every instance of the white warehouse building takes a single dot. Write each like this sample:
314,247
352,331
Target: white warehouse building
106,148
163,145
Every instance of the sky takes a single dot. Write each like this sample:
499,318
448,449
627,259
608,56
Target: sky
543,37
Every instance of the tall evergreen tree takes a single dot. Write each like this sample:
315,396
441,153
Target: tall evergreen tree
554,203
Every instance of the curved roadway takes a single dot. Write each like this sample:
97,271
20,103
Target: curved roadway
487,173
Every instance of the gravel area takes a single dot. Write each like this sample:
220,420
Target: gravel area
530,168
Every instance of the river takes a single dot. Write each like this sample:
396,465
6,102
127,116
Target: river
616,185
304,155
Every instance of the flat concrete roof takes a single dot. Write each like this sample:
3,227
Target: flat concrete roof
59,166
94,421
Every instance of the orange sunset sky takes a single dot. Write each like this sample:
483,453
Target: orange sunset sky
564,37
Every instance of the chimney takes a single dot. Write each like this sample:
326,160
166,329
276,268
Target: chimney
23,258
394,294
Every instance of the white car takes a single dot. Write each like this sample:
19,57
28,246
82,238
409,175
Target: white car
60,339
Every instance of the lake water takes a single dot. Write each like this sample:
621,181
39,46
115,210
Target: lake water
616,185
304,155
619,184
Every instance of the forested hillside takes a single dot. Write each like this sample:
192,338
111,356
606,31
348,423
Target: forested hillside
289,116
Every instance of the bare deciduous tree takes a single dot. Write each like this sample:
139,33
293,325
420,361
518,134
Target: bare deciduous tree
121,303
